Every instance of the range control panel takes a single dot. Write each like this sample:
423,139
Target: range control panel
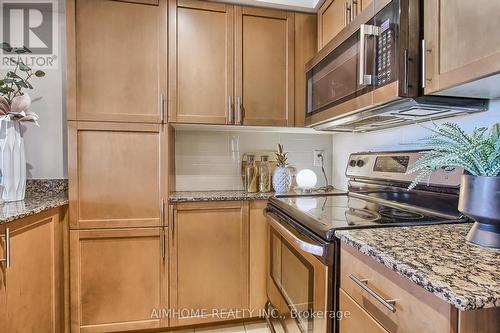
393,166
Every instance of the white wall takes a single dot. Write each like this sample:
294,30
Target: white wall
400,138
210,160
46,151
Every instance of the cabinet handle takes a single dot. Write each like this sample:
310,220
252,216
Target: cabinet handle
405,71
162,212
162,108
363,283
239,116
230,112
162,239
354,10
347,16
7,248
172,222
423,63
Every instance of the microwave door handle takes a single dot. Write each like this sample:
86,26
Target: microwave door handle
364,31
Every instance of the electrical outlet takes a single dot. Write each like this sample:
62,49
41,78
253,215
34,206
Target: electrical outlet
317,157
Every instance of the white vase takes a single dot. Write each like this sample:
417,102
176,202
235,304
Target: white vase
282,180
12,160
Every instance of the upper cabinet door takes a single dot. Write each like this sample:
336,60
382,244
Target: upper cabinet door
116,60
117,174
462,44
332,18
264,65
201,62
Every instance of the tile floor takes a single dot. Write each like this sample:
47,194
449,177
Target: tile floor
250,327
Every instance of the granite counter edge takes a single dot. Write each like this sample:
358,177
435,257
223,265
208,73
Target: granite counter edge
413,275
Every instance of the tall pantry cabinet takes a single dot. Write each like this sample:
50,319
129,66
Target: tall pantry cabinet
118,164
130,255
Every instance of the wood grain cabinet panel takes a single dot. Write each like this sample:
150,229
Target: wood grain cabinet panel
118,279
258,256
3,282
264,65
31,289
116,60
331,20
202,60
458,52
358,320
209,261
412,302
305,49
115,176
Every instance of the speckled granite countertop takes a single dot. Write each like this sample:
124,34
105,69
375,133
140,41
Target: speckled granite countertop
41,195
187,196
193,196
436,258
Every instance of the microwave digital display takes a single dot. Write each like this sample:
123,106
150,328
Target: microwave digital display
397,164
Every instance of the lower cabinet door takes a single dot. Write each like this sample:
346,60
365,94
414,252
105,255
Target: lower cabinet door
31,291
118,279
3,267
355,319
209,262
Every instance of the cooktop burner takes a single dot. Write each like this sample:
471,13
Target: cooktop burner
395,213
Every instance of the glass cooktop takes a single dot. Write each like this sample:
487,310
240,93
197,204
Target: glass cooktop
325,214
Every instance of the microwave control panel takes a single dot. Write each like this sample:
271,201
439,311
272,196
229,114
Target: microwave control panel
385,54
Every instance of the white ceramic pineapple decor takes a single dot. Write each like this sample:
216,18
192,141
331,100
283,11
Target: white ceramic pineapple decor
282,178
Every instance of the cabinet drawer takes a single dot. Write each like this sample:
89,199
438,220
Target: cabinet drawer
358,320
413,308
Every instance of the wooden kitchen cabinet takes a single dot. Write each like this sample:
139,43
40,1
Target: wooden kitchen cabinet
332,18
230,64
334,15
264,67
116,67
305,49
32,288
462,48
118,279
209,261
259,252
415,309
358,320
3,292
118,174
202,62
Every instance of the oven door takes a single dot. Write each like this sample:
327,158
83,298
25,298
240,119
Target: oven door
298,284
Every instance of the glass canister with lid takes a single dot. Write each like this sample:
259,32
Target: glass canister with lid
265,174
251,175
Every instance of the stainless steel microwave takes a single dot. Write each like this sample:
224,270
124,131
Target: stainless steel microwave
369,76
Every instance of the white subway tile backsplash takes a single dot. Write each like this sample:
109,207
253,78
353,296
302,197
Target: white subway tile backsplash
208,160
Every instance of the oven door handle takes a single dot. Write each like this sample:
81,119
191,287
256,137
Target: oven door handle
293,237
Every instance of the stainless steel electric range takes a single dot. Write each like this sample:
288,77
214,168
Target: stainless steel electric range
304,261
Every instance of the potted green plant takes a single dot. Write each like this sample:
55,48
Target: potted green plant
479,155
14,105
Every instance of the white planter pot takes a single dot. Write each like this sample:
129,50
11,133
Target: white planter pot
12,160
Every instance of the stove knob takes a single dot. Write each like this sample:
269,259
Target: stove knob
352,163
360,163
